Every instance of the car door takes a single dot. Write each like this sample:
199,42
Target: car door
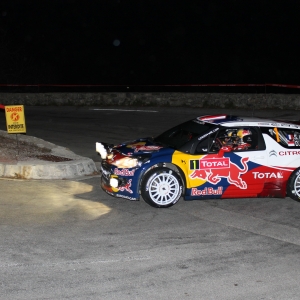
283,155
226,167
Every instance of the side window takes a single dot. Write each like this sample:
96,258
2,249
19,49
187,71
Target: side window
205,141
237,139
203,146
288,138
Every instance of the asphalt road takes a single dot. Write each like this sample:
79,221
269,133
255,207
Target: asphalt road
67,239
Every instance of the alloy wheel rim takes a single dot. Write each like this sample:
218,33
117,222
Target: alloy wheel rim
297,186
164,189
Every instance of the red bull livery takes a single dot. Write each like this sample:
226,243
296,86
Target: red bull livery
209,157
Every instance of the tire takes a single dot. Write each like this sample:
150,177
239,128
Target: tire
293,185
161,187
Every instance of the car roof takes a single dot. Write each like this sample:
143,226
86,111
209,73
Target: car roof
229,121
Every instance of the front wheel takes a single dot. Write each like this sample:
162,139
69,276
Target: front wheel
161,187
293,185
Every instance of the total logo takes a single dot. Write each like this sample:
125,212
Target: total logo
258,175
212,170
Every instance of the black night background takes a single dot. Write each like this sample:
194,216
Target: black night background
118,42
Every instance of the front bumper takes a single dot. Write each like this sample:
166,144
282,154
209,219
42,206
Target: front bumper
127,185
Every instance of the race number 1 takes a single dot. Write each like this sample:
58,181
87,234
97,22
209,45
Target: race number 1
194,164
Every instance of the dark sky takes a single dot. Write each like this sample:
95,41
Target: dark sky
149,42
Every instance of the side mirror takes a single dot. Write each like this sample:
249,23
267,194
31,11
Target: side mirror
223,150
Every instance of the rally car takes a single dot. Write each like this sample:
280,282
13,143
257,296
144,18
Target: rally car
212,156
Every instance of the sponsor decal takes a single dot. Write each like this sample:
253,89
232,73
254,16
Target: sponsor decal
126,187
258,175
140,146
211,163
212,170
207,134
125,197
288,153
124,172
284,153
146,148
207,191
216,163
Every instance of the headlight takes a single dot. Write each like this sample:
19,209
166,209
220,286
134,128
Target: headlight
114,182
131,162
126,162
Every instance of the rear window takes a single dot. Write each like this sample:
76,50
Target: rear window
288,138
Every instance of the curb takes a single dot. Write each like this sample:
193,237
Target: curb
38,169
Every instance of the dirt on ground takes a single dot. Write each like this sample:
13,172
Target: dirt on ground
13,150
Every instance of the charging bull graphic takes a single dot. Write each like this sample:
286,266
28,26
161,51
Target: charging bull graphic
213,169
126,187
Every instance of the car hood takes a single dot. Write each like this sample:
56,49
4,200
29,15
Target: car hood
139,146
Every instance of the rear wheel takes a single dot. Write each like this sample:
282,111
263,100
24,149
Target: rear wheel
161,187
293,185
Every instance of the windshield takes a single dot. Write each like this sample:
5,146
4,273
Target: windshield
179,135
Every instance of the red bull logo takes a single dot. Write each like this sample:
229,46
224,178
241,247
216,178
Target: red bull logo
212,170
207,191
146,148
141,146
124,172
126,187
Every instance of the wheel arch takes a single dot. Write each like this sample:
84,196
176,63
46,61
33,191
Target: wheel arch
290,186
167,165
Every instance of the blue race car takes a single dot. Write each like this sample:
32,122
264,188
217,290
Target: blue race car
218,156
